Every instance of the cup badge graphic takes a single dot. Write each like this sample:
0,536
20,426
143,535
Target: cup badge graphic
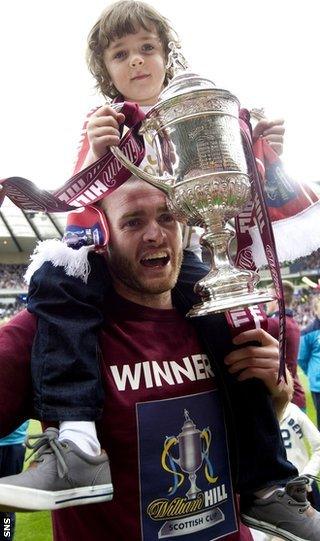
193,452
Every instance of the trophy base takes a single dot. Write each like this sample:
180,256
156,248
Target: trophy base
218,305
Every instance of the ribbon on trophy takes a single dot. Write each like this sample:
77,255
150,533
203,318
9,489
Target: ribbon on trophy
253,226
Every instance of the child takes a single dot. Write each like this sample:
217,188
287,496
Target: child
128,50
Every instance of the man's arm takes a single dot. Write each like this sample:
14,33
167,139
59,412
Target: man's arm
262,362
16,339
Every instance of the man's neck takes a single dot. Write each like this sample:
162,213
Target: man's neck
162,301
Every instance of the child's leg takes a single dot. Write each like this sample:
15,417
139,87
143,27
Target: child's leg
261,455
69,468
83,434
65,356
262,465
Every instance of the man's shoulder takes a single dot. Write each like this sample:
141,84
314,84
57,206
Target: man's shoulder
23,321
291,323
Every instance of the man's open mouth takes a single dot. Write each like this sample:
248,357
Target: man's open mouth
157,259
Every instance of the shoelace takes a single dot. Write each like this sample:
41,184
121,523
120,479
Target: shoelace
303,506
46,443
313,477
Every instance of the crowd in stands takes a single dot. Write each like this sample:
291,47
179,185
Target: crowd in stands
302,308
9,310
11,276
311,262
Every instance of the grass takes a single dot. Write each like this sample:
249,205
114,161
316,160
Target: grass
37,526
33,526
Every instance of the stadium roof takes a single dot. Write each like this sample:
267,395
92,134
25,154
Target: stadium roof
20,230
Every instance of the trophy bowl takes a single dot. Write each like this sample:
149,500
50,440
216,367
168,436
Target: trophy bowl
202,167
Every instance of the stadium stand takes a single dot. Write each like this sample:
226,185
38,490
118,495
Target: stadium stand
20,231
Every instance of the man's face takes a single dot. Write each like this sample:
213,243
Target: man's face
145,252
136,65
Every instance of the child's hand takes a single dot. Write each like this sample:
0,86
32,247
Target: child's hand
103,130
273,131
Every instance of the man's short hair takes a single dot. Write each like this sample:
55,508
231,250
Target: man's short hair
288,292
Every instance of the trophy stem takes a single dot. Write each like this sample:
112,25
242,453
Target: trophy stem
193,490
225,287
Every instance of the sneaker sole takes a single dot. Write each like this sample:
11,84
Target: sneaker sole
14,498
269,528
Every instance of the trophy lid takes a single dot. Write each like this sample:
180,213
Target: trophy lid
189,426
183,80
186,94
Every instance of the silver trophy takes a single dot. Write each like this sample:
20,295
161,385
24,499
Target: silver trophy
195,132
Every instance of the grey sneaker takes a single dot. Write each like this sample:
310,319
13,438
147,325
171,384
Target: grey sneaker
61,475
286,513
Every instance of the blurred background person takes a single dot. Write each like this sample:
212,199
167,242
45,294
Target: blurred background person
292,339
302,442
12,451
309,355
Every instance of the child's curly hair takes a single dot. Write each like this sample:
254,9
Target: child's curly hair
118,20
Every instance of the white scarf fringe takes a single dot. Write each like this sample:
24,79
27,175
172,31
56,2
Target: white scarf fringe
295,237
74,262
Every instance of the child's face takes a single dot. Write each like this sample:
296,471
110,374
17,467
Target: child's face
136,66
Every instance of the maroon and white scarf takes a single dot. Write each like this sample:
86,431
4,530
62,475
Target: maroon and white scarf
100,179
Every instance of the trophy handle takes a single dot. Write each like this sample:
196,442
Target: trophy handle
162,183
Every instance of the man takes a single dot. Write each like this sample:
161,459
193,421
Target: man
163,428
292,339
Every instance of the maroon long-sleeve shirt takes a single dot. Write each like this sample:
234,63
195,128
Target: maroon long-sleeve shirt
184,380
